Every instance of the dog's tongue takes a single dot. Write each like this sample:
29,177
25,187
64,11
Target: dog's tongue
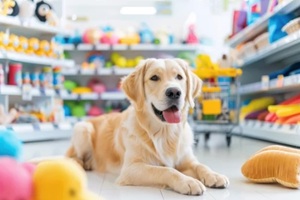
172,115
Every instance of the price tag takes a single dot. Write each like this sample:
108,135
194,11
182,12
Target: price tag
265,82
280,81
27,92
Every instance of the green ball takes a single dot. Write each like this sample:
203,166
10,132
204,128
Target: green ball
69,85
78,111
108,64
156,41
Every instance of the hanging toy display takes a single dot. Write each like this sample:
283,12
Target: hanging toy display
45,13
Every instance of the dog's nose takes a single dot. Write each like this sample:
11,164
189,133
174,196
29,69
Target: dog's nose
173,93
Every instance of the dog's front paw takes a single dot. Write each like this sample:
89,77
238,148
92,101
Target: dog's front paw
189,186
214,180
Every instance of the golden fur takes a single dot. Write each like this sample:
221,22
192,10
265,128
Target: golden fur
137,145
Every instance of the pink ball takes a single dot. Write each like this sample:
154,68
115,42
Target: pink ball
95,111
15,180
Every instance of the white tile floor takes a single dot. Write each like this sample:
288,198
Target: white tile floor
216,155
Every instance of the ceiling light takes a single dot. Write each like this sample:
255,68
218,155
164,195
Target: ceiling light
138,10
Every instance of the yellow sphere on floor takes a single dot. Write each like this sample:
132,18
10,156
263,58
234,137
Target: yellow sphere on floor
61,179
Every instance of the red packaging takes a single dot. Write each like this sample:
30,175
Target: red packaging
15,74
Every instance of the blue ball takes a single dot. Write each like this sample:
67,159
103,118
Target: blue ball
10,145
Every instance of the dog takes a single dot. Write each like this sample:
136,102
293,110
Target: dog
150,143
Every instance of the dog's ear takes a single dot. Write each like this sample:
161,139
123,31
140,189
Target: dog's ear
133,85
193,83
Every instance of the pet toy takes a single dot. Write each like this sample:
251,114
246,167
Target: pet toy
274,164
61,179
33,46
16,180
45,13
7,118
27,8
10,144
23,45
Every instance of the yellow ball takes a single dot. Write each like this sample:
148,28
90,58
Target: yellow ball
121,62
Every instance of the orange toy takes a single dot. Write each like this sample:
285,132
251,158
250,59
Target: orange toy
274,164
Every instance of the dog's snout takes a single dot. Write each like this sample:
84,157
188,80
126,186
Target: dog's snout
173,93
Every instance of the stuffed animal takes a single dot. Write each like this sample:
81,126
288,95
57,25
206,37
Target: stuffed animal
9,7
7,118
274,164
27,8
23,45
13,43
33,46
44,48
61,179
15,180
6,6
10,145
45,13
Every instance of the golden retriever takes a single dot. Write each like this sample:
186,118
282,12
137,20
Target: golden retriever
150,143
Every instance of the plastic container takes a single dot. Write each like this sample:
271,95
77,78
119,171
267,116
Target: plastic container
2,79
15,74
292,27
262,41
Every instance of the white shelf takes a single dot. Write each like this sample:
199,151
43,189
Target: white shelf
261,24
285,134
15,90
32,29
137,47
113,96
289,84
123,71
93,96
101,72
40,132
280,50
89,96
35,59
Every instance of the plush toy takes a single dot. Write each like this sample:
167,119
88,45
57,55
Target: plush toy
95,111
61,179
274,164
146,34
27,8
23,45
44,48
10,145
33,46
6,6
96,85
13,43
15,180
130,37
7,118
192,37
91,36
45,13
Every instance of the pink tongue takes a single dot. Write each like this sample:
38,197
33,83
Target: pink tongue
172,115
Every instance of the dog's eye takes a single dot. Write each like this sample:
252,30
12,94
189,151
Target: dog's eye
154,78
179,77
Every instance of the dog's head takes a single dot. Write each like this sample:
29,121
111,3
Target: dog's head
163,87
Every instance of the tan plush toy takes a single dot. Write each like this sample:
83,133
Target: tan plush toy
274,164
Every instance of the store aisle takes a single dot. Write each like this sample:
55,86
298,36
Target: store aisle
216,155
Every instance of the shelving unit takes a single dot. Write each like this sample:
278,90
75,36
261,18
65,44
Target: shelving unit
31,29
32,59
137,47
285,134
261,25
280,50
40,131
273,57
285,85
